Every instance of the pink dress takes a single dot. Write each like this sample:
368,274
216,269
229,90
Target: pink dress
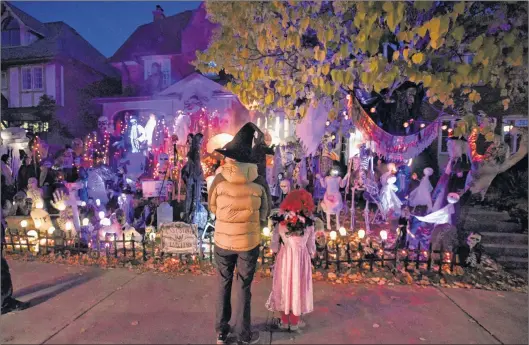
292,284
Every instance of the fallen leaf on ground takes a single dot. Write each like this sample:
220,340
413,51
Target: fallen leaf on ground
376,325
134,323
422,339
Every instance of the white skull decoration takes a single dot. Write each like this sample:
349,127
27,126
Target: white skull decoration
163,161
102,124
473,239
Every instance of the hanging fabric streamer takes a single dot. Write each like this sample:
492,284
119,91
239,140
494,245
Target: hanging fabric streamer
395,148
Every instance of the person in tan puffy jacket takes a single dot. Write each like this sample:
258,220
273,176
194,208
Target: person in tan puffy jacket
239,201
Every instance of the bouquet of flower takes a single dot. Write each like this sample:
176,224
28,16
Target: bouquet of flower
296,212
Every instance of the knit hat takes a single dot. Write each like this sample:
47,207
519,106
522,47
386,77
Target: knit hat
240,148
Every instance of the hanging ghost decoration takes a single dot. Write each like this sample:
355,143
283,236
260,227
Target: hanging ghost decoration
421,196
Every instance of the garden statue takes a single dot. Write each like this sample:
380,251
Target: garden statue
193,177
389,201
332,199
421,196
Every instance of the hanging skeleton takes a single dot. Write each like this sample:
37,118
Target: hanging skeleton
470,253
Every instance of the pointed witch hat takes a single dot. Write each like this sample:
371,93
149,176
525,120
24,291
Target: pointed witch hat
240,148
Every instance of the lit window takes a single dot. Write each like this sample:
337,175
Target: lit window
35,126
32,78
4,80
165,66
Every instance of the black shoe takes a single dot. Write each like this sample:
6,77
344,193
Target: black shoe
222,337
14,305
254,339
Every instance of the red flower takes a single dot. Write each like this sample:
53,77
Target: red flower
297,201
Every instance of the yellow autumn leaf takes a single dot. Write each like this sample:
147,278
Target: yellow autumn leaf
325,69
506,103
459,8
396,55
417,58
304,24
489,136
405,53
457,33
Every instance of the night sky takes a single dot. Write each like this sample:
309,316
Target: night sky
106,25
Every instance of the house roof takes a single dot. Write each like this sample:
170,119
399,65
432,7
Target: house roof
194,84
27,20
60,40
161,37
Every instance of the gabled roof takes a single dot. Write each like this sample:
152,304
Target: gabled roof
161,37
60,40
194,84
32,23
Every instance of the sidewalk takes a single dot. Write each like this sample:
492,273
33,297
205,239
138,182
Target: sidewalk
84,305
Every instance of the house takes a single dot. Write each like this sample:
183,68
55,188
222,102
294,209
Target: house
157,74
46,59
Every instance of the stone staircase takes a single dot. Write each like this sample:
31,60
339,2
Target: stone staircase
501,239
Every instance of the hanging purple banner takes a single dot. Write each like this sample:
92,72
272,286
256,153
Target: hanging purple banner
393,147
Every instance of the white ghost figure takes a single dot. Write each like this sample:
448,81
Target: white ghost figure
96,187
444,215
422,195
181,128
388,197
149,128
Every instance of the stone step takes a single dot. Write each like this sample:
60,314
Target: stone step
506,249
511,262
504,237
486,214
520,273
492,226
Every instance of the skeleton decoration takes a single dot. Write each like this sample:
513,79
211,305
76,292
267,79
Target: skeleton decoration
470,254
137,136
102,124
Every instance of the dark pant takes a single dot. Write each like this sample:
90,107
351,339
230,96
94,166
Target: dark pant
246,263
7,286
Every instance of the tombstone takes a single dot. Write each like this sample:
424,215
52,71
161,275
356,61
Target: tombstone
164,214
179,238
135,165
41,219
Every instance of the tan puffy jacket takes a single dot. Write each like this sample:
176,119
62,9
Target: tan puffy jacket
240,206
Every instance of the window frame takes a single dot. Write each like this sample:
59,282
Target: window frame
5,79
165,66
32,70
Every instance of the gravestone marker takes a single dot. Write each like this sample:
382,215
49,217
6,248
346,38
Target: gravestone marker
164,214
179,238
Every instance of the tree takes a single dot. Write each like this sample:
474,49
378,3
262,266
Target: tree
287,55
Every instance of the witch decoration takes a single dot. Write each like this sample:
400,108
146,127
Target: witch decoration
193,177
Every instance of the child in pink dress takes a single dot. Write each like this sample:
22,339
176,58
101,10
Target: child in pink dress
292,293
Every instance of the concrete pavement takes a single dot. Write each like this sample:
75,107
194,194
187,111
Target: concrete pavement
85,305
